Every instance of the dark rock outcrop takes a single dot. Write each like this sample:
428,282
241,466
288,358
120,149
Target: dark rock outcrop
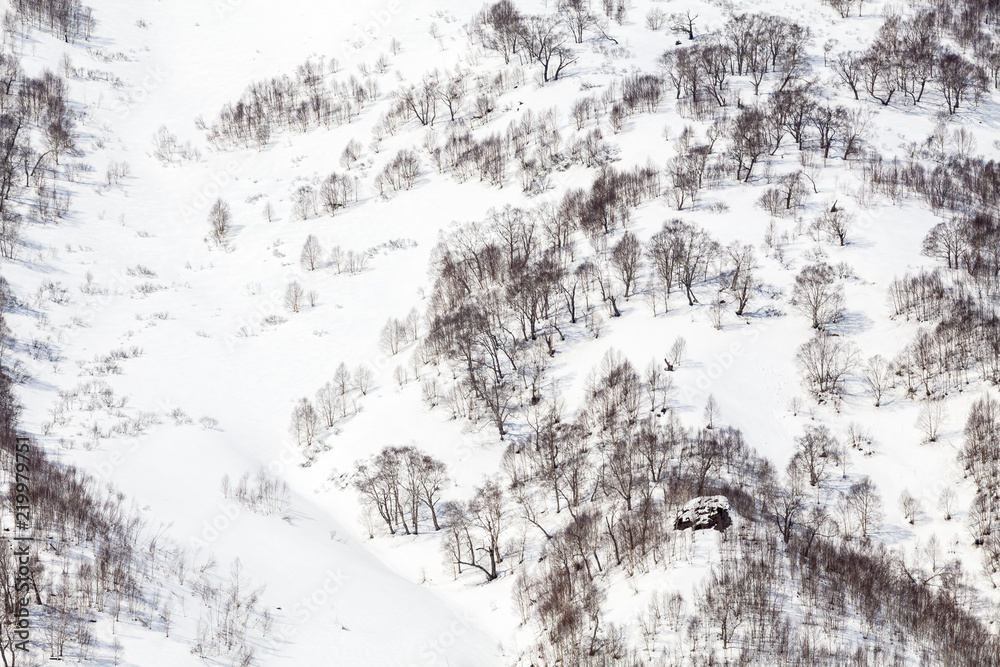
705,512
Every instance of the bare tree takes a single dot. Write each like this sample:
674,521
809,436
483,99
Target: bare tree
421,101
816,451
982,432
363,376
676,354
683,23
304,202
351,153
576,16
655,18
947,502
293,296
817,296
929,418
476,529
337,191
980,519
711,411
695,249
545,41
626,258
748,142
328,401
909,505
311,253
664,254
825,362
828,121
220,219
743,282
849,67
305,421
956,76
877,376
342,379
836,223
879,71
380,486
500,28
392,336
864,503
496,394
431,482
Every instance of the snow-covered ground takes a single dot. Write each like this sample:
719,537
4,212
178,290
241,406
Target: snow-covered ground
221,382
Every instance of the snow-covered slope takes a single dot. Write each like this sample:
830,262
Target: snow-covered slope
221,362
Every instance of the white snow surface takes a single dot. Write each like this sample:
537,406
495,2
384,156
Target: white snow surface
345,599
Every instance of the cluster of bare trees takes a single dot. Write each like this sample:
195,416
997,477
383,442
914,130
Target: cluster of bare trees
817,295
396,486
981,453
608,203
825,362
97,558
450,89
516,279
69,20
400,173
617,476
743,609
353,262
960,339
905,57
337,191
467,97
970,243
311,98
512,281
7,303
561,599
37,126
396,332
626,451
949,182
109,576
750,45
756,132
263,493
541,39
692,168
923,296
960,336
879,586
230,612
475,529
980,457
326,195
533,143
683,254
93,555
335,400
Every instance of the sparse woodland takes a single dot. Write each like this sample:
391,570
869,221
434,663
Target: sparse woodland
596,462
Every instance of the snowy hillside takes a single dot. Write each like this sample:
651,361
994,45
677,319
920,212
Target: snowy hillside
433,333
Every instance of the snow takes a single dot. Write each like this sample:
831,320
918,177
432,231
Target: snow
343,598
